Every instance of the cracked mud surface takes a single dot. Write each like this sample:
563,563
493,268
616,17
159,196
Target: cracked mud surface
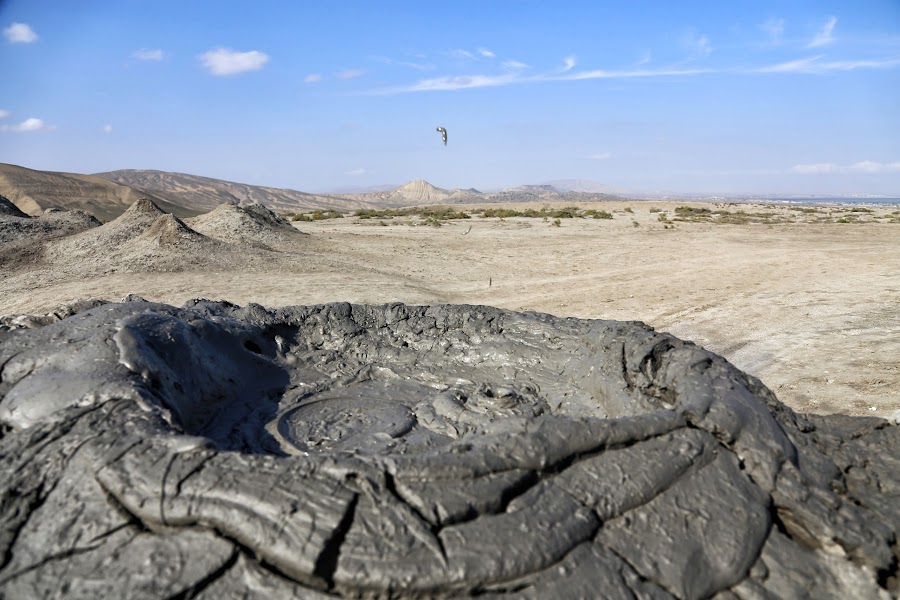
213,451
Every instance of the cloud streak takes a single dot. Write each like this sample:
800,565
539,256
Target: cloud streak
26,126
814,65
459,82
20,33
514,73
224,62
418,66
825,35
864,167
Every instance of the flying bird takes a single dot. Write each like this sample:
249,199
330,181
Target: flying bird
443,134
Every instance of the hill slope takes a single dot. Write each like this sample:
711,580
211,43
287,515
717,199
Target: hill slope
202,194
34,191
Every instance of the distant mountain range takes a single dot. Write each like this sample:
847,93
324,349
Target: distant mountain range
107,195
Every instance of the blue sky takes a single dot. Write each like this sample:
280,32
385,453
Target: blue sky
710,97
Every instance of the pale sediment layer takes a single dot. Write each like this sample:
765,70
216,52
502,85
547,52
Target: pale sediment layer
399,451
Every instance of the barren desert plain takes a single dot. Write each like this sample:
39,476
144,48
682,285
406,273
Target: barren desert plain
804,297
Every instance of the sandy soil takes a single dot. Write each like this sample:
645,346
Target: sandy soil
810,307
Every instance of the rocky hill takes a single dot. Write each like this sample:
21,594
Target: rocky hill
420,191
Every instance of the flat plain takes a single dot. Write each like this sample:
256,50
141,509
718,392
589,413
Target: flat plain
805,298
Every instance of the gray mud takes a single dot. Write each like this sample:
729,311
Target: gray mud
214,451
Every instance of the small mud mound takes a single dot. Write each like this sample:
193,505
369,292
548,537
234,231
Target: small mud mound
253,225
144,238
22,238
168,231
53,223
70,220
397,451
9,209
127,226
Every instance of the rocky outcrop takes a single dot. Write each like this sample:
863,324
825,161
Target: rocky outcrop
213,451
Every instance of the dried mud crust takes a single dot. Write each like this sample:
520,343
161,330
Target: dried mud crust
398,451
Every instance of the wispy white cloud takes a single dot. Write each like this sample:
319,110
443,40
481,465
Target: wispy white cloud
477,54
4,113
775,29
107,128
697,45
815,168
418,66
411,64
600,156
312,78
514,65
20,33
150,54
459,53
801,65
814,65
648,56
349,73
223,61
357,172
463,82
26,126
865,166
515,73
450,83
825,35
632,73
870,166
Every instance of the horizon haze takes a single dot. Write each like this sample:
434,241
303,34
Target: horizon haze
649,97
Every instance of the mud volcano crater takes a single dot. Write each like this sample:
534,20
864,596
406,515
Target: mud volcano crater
217,451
